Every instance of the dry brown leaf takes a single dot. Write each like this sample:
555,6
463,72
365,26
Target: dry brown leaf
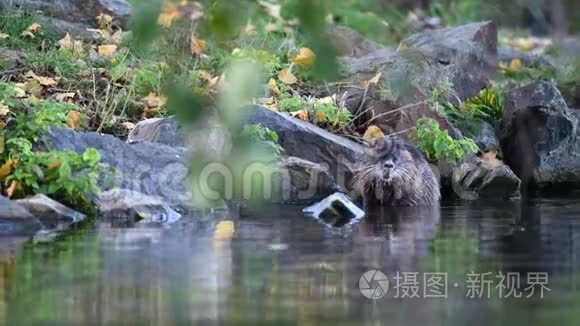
4,110
66,42
33,27
300,114
128,125
27,34
373,132
46,81
273,87
169,14
12,189
272,106
305,58
153,101
64,97
224,230
104,20
74,120
287,77
107,50
375,80
196,45
273,9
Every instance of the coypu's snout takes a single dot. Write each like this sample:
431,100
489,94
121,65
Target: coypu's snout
388,167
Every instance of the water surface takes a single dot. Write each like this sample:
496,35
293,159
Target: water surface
275,266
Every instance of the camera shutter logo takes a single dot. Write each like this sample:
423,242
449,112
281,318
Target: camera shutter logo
373,284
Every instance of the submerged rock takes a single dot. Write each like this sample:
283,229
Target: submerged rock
15,220
309,142
539,135
485,179
464,57
52,214
336,210
132,206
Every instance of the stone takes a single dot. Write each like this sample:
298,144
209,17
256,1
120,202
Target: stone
336,210
132,206
486,139
539,135
150,168
10,57
15,220
350,43
302,181
309,142
74,10
485,179
463,57
52,214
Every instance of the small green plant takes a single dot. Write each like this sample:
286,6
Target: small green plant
63,175
14,22
326,113
291,104
485,106
437,144
264,135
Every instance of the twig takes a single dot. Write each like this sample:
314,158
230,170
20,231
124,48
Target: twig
404,107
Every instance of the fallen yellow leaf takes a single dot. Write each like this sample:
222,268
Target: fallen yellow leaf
300,114
153,101
273,9
46,81
6,168
27,34
104,20
196,45
224,230
272,106
273,87
373,132
169,13
74,120
63,97
128,125
4,110
287,77
305,58
319,116
402,46
33,27
107,50
4,35
14,185
66,42
516,65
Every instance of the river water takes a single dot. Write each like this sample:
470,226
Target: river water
458,264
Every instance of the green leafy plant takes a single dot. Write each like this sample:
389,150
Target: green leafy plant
486,106
63,175
264,135
437,144
327,113
291,104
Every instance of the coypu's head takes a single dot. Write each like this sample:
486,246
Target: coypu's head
390,161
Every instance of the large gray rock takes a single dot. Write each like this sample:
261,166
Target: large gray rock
302,181
348,42
309,142
73,10
486,139
132,206
464,57
149,168
52,214
485,179
15,220
539,135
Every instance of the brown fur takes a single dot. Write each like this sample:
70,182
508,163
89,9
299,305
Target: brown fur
394,173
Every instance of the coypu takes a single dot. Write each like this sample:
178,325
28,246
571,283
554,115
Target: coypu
394,173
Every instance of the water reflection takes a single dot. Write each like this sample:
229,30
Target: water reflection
276,266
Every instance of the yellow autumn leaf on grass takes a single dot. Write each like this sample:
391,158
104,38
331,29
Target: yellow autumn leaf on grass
4,110
373,132
3,36
12,189
153,100
514,66
320,116
169,14
305,58
104,20
300,114
107,50
196,45
6,168
375,80
64,97
273,87
287,77
66,42
44,81
224,230
74,120
273,9
33,27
